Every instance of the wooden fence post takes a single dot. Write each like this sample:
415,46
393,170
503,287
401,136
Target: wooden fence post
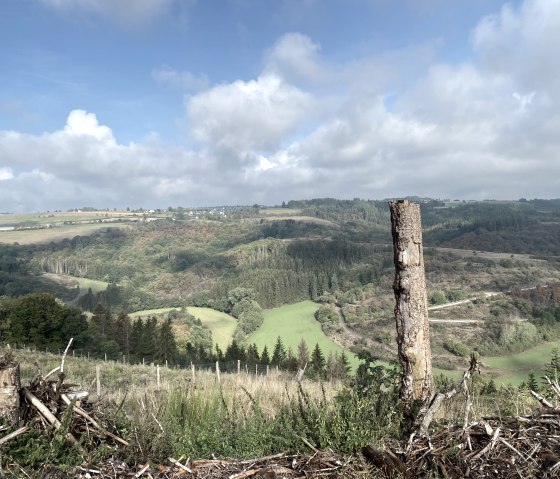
158,377
98,379
238,366
218,371
193,372
411,309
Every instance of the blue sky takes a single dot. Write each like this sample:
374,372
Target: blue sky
152,103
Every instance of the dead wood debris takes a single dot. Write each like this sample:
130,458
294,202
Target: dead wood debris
525,447
322,464
50,405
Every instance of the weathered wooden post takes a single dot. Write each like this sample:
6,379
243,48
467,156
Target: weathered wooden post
10,386
98,380
411,309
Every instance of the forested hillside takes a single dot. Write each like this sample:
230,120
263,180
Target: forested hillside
335,252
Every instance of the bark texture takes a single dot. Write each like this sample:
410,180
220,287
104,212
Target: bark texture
9,392
411,309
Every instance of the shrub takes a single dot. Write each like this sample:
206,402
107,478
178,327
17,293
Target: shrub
456,348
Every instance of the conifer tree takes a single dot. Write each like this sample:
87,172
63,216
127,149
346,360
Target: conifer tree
265,357
166,345
234,351
123,333
532,384
279,354
149,339
317,362
219,353
252,354
552,369
290,364
136,339
344,366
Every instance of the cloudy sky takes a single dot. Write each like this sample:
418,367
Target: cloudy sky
156,103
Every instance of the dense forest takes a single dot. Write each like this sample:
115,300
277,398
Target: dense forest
335,252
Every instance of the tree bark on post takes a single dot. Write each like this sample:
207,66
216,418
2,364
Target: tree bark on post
411,309
9,389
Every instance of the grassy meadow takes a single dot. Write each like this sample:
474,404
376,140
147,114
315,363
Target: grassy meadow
294,322
221,324
514,369
148,313
46,235
280,211
79,223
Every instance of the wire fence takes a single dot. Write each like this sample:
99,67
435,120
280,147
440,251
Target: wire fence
92,372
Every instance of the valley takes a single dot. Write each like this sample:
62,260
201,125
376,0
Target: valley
318,270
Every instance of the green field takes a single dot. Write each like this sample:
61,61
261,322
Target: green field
46,235
515,368
150,312
94,284
293,323
221,324
280,211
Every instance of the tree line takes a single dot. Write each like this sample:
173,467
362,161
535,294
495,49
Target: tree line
39,320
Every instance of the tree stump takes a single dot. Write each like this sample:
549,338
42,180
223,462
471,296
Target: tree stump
10,386
411,309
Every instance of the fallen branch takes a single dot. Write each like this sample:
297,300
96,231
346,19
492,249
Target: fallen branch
64,355
142,471
14,434
49,416
542,400
78,410
178,464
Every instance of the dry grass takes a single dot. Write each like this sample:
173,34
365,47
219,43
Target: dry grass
47,235
136,382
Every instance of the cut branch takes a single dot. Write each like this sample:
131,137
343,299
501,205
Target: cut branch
49,416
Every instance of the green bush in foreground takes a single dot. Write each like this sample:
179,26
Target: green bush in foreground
195,424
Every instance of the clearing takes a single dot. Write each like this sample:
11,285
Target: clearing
294,322
221,324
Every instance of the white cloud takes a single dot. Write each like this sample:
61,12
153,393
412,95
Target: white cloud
6,173
395,124
83,163
254,115
296,58
81,123
522,43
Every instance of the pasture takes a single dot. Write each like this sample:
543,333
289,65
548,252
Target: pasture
221,324
279,211
148,313
74,281
515,368
294,322
46,235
